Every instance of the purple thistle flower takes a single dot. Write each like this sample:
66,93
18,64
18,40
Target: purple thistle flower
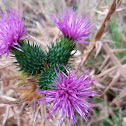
75,27
69,94
12,29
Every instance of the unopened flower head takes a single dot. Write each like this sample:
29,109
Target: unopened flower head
70,94
12,29
76,27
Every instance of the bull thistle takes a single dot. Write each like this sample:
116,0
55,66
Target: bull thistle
57,83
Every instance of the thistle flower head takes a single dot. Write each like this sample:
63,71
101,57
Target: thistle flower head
75,27
12,29
70,94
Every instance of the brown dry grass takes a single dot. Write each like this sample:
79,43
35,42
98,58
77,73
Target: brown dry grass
107,68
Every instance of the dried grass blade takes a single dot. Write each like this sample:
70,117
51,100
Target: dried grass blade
113,82
99,33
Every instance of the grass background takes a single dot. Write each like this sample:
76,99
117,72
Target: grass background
106,62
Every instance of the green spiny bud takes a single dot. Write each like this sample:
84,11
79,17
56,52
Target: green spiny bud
48,77
61,52
31,59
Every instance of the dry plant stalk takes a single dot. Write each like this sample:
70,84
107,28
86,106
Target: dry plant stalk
120,68
10,100
121,95
99,33
107,71
91,47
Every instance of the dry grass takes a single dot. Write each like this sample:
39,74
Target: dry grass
105,56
